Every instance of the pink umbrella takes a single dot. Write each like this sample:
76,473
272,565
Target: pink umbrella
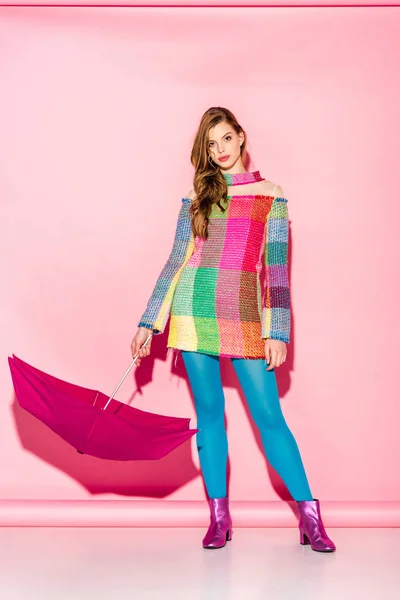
94,423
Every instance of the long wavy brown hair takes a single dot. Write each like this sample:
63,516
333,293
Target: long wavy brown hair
209,184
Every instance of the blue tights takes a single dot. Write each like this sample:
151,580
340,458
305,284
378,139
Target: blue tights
261,392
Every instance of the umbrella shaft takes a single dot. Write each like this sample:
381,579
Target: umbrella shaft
125,374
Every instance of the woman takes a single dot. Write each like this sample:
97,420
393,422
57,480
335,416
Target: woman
228,225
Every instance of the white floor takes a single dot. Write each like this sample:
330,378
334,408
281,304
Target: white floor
136,563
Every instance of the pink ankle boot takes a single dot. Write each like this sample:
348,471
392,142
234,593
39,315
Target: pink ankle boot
220,529
311,527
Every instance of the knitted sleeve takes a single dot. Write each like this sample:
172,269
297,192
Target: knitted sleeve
276,295
159,304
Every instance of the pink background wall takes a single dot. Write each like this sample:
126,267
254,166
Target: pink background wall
98,111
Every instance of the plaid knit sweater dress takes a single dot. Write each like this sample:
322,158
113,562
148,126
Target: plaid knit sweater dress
213,290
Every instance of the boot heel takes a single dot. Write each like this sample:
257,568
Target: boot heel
229,535
304,541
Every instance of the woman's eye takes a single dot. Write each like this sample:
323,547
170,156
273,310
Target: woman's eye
228,139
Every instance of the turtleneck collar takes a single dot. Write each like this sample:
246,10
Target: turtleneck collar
241,178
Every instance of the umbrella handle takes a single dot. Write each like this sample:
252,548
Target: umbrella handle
125,374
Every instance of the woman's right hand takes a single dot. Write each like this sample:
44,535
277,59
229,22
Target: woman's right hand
138,341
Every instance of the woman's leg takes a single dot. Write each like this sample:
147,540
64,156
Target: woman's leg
205,380
261,391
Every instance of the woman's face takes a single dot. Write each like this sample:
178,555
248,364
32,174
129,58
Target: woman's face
223,141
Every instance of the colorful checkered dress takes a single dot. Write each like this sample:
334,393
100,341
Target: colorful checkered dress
214,291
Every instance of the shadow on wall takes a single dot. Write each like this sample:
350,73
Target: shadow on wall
147,478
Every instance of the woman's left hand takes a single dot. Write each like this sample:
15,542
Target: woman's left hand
275,353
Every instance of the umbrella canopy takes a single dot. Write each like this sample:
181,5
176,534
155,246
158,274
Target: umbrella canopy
94,423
